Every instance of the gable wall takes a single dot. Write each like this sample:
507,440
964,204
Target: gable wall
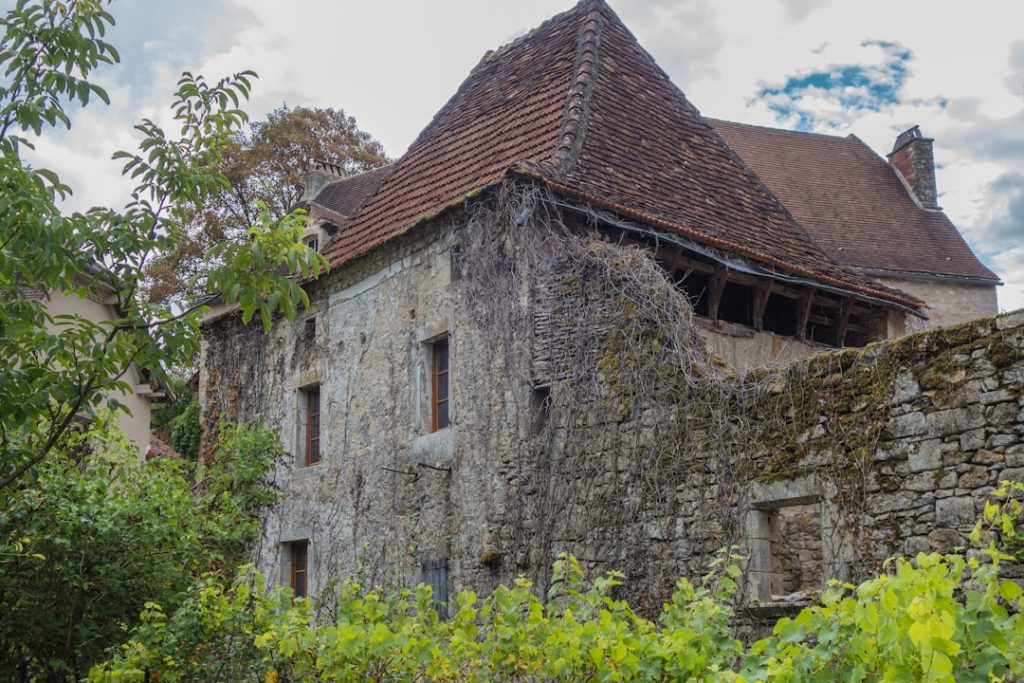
135,422
949,303
372,506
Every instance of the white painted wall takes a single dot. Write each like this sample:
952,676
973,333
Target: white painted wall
135,423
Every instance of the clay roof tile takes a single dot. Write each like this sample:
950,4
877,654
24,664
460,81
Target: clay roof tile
852,203
579,105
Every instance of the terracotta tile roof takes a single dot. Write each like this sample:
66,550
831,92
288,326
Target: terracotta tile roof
344,197
578,104
852,202
508,110
159,449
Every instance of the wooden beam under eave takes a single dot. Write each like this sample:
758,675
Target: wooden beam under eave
804,314
761,296
843,322
715,294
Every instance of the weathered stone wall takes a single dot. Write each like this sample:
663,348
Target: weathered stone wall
388,493
744,348
949,303
892,447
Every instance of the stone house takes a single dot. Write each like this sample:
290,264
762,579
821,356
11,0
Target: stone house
524,343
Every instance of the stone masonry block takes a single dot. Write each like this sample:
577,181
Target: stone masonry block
1001,414
954,512
955,420
926,455
910,424
972,440
1008,321
973,478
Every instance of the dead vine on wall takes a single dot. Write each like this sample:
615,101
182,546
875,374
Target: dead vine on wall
638,449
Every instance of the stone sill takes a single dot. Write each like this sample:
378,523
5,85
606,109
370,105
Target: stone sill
436,448
775,610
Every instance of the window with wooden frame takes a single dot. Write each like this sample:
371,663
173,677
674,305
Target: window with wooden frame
440,404
299,567
311,399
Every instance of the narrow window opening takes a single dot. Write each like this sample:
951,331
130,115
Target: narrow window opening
695,286
786,553
309,328
311,400
435,574
796,547
455,265
858,336
781,315
822,327
540,404
299,567
440,409
737,304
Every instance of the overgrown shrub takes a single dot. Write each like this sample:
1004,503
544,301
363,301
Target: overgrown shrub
186,430
95,536
933,618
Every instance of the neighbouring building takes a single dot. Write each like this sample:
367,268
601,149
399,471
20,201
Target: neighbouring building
545,329
99,306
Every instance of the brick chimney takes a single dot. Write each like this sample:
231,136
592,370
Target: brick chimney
913,157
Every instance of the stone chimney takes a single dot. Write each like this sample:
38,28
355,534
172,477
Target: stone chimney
913,157
320,174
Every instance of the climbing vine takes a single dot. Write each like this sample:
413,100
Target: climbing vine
637,440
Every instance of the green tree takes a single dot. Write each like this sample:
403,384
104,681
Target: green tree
104,533
267,167
55,370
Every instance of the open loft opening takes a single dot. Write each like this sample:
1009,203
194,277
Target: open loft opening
730,292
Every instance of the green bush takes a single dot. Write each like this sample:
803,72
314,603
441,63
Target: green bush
98,533
933,618
186,431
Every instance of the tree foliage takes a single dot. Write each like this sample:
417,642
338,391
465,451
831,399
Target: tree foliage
265,168
98,533
57,369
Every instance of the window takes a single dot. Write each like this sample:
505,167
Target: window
311,399
299,567
440,403
434,573
313,243
785,552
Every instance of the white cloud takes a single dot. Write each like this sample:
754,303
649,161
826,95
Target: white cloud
1010,265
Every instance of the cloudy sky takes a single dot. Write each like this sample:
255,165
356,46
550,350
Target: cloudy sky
872,68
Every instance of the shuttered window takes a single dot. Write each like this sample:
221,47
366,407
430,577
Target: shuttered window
435,574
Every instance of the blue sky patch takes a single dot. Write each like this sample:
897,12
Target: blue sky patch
851,87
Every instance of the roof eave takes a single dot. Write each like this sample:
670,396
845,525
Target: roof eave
907,303
936,277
